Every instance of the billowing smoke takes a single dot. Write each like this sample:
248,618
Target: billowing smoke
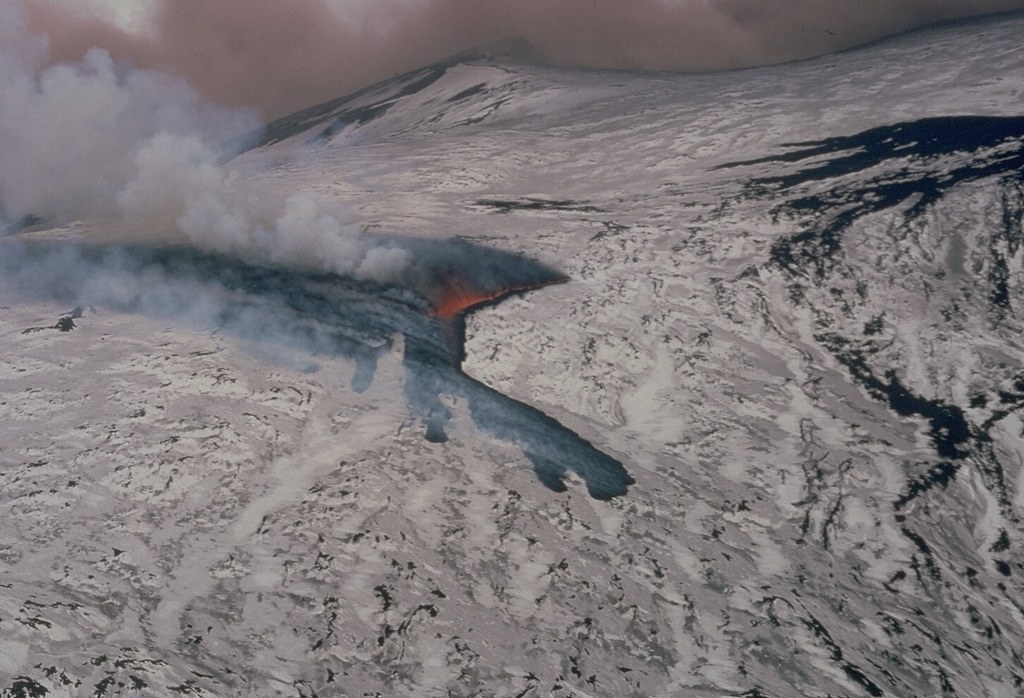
68,132
218,208
103,138
283,56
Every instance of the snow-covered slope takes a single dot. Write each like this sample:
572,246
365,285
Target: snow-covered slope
793,316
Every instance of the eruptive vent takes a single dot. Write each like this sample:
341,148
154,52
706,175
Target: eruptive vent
454,295
460,276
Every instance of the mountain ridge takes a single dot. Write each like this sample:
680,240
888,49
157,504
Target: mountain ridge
824,446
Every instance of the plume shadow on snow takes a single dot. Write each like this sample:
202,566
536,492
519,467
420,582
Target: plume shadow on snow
323,314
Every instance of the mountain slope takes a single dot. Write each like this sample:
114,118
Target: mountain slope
793,315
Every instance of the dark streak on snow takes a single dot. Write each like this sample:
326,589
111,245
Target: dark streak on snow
986,146
912,164
948,426
534,204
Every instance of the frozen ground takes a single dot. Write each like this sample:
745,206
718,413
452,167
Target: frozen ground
793,316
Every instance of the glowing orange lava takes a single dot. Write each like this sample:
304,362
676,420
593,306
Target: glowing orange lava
454,297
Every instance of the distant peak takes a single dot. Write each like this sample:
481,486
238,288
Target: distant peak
515,49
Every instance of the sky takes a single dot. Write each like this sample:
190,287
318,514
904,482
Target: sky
282,55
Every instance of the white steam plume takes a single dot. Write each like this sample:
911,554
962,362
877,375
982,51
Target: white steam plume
98,138
68,132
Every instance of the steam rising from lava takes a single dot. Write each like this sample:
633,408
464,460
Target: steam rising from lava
97,138
101,139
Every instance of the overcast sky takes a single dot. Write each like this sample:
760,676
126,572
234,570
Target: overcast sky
282,55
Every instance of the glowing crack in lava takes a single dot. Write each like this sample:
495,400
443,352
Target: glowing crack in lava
457,276
454,296
464,278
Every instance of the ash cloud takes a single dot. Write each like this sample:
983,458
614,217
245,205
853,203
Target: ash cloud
282,57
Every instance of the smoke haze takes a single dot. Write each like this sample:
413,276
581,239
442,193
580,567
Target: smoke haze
282,56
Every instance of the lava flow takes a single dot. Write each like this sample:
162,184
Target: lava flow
457,275
456,295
